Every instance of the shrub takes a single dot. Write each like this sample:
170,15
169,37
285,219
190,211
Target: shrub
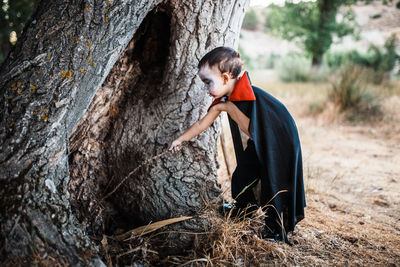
349,92
384,60
381,61
316,107
294,68
376,16
250,20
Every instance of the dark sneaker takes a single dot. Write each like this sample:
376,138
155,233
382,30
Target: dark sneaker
275,236
267,234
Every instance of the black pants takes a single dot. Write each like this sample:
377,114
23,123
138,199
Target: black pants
247,170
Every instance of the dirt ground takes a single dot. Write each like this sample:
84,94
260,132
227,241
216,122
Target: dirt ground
352,182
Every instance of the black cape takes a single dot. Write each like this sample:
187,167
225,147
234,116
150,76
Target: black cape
278,149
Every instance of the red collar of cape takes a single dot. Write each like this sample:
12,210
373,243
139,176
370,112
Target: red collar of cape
242,91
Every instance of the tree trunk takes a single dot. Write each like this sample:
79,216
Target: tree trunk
327,17
90,91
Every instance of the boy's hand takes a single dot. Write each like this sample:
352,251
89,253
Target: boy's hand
175,146
222,106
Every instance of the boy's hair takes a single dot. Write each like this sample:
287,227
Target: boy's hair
228,60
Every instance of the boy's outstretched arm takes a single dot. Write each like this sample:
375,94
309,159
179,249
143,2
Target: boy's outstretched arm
198,126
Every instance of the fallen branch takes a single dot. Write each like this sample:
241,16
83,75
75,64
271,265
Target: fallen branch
142,230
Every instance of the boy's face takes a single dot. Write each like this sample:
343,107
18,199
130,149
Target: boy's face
215,82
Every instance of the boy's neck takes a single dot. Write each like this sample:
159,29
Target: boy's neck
232,87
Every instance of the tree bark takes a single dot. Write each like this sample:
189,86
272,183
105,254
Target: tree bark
90,91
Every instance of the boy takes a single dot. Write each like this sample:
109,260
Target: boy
273,152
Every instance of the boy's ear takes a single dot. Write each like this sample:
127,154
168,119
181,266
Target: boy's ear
225,77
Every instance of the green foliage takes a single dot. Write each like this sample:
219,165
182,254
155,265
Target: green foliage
250,20
380,60
376,16
13,16
350,94
312,24
294,68
339,58
389,55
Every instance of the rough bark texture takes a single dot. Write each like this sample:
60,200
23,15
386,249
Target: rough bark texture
91,90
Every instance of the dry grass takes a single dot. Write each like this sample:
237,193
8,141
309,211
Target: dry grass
228,242
231,242
323,238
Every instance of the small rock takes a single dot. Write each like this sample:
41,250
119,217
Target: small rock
381,203
240,261
96,262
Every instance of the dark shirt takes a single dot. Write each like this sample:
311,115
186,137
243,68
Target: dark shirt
244,106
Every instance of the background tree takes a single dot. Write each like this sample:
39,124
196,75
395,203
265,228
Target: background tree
313,24
91,90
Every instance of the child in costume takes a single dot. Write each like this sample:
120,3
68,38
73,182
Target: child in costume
273,152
